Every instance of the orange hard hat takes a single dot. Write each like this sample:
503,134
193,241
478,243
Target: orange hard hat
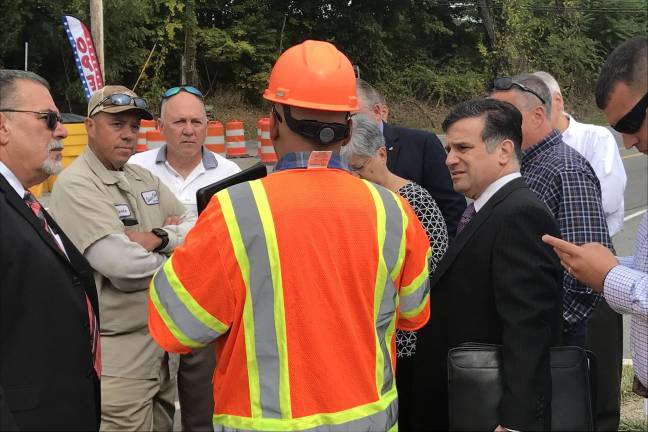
315,75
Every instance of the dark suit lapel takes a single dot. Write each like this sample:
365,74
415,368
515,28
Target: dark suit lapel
457,245
392,142
19,205
464,236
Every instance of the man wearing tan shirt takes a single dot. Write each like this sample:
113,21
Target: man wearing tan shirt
125,222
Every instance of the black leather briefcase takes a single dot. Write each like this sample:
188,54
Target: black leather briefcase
475,387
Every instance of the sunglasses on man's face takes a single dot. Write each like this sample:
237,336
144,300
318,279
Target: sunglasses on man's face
189,89
632,121
52,119
507,83
121,99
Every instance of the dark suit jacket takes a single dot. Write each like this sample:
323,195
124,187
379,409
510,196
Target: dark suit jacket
498,283
46,370
419,156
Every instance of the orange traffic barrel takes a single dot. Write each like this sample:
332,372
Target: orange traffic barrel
266,149
259,137
215,140
145,126
154,139
235,139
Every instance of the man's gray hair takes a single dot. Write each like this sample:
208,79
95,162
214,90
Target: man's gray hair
8,79
366,138
368,96
549,81
537,85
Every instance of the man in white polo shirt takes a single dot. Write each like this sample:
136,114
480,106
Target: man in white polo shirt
185,165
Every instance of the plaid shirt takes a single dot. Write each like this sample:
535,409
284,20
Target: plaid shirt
567,184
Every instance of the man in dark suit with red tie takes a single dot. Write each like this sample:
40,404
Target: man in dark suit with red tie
49,347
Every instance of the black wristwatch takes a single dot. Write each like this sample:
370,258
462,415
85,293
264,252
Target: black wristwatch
163,235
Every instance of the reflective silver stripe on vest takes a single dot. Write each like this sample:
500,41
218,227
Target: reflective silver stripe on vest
261,289
181,316
414,300
391,247
379,422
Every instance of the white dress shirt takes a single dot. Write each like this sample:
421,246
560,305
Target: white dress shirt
493,188
213,167
598,146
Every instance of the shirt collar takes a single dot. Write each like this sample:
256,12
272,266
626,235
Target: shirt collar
208,159
12,180
550,140
493,188
573,124
105,175
297,160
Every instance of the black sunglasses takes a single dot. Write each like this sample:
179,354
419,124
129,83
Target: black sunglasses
507,83
632,121
189,89
52,119
121,99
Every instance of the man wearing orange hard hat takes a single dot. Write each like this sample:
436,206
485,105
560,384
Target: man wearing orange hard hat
302,277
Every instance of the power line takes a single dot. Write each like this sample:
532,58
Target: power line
553,8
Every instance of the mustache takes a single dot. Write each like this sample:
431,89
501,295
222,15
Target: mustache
55,145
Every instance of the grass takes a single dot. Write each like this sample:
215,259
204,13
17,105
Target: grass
632,410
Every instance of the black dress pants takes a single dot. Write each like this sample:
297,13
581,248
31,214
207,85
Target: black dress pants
605,339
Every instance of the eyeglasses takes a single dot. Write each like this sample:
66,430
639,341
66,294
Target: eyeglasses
189,89
358,168
632,121
120,99
507,83
52,119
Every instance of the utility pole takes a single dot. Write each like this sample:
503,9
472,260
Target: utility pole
96,28
189,58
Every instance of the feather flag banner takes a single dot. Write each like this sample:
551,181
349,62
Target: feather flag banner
84,54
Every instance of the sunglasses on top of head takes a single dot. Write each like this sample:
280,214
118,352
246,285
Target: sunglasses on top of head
121,99
52,119
632,121
189,89
507,83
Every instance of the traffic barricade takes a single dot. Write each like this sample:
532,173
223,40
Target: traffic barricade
145,126
215,140
154,139
266,149
235,139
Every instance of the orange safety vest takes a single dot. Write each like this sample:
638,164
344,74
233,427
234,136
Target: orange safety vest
306,274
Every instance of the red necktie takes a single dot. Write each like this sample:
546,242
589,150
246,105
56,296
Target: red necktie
95,341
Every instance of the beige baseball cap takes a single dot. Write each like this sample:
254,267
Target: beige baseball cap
100,102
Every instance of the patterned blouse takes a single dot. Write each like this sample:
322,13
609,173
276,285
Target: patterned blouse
428,213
